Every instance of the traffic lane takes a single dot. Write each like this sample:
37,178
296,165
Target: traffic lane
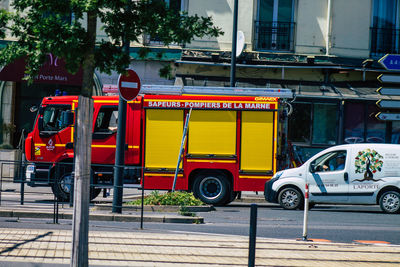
336,223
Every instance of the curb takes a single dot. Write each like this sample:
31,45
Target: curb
104,217
156,208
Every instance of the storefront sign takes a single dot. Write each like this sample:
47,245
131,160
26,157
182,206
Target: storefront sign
208,104
53,71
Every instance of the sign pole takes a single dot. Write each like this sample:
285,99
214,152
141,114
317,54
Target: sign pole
119,157
129,86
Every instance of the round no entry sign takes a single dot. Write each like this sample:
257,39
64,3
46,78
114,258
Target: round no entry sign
129,85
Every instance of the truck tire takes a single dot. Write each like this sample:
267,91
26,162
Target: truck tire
290,198
390,202
63,185
212,188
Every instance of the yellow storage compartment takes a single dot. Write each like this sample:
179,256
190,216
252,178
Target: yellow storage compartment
257,143
164,130
212,132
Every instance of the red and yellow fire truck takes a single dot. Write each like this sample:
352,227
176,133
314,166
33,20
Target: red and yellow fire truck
231,146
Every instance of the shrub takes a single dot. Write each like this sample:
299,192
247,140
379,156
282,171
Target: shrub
176,198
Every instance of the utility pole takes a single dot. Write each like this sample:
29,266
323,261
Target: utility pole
83,155
234,44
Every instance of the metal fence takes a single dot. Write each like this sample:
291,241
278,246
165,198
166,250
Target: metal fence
53,187
384,41
274,36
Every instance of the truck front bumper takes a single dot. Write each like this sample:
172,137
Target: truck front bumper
269,194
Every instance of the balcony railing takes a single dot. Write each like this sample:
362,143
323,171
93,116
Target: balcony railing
274,36
385,41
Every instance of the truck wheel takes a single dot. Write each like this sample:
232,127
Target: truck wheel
390,202
211,188
290,198
62,186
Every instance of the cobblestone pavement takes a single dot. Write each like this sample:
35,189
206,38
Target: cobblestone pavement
145,248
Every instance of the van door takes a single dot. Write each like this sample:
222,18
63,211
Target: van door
328,178
366,172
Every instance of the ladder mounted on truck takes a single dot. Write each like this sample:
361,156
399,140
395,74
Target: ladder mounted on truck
208,90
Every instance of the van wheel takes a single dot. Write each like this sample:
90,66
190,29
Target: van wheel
211,188
390,202
290,198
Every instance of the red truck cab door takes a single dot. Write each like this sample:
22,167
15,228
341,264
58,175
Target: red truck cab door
104,133
53,138
105,122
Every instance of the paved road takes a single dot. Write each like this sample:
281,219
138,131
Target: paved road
336,223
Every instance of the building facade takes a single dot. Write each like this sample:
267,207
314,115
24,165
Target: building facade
326,51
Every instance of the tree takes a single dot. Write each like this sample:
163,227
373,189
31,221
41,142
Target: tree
41,27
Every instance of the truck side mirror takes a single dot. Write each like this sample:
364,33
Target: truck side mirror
67,118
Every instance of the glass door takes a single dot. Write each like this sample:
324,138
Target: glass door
275,24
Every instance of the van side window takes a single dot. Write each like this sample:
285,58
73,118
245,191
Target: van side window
332,161
107,119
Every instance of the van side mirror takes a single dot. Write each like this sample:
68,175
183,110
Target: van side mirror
312,167
67,118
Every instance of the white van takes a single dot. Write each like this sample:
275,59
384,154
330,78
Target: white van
344,174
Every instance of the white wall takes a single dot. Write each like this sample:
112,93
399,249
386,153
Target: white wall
351,21
222,13
311,26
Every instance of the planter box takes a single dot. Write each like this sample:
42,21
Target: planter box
157,208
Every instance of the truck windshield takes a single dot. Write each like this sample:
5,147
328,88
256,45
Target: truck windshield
52,117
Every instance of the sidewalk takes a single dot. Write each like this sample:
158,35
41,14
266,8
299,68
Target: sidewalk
26,247
146,248
101,209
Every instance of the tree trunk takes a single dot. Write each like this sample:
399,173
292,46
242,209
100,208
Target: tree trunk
89,63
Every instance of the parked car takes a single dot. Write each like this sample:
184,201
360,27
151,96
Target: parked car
346,174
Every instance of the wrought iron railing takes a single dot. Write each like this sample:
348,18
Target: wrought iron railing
274,36
385,41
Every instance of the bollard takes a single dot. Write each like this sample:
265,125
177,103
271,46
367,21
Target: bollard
252,235
142,207
306,200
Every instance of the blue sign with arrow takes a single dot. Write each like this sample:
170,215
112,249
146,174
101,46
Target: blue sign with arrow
390,62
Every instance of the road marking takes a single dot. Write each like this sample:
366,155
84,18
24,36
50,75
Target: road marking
371,242
320,240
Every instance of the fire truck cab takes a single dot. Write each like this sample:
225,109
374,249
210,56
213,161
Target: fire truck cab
231,145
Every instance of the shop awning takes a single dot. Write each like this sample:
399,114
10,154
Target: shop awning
52,72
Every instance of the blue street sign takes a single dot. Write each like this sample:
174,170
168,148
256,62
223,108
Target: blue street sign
390,62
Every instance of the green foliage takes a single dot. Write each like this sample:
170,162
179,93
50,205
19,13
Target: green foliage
176,198
41,27
184,211
165,72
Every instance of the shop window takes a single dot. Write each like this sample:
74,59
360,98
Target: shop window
354,123
395,132
299,123
361,126
313,124
324,124
375,128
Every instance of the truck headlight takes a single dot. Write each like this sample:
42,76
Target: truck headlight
30,170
